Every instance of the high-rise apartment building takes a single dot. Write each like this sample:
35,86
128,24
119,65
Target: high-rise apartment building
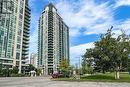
14,34
53,40
33,60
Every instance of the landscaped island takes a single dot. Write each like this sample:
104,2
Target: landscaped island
99,77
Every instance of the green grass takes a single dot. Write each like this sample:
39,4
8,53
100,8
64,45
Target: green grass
99,77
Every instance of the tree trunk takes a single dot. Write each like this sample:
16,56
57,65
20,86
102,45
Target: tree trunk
117,73
103,71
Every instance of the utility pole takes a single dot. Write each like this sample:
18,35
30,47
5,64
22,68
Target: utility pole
79,68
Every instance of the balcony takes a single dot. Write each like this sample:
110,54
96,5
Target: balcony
25,53
27,24
27,8
26,31
27,15
26,39
25,42
27,20
26,35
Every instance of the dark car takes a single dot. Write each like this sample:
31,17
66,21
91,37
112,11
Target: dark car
56,75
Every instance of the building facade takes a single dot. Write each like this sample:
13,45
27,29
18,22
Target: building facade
14,34
53,40
34,60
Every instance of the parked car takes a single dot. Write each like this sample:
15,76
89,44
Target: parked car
56,75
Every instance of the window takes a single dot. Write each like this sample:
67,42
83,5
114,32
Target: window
21,10
20,16
3,22
17,55
10,35
16,10
18,46
2,33
18,39
7,23
19,32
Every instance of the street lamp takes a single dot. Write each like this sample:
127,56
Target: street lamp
79,62
79,68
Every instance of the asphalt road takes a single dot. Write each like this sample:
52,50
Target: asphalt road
46,82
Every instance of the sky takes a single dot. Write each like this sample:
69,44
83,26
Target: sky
87,20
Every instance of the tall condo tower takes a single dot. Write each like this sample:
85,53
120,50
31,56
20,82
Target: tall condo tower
14,33
53,40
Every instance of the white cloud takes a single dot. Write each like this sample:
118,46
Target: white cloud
94,18
90,16
122,3
78,51
125,26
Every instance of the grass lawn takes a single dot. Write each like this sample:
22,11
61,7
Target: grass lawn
99,77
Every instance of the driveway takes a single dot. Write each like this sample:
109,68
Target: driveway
46,82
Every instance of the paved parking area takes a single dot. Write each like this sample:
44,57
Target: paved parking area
46,82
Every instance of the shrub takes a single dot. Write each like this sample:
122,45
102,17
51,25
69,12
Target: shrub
38,72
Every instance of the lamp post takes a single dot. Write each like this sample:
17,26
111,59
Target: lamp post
79,63
79,68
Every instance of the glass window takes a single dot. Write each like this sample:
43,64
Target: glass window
20,16
17,55
18,39
18,46
19,31
7,23
21,10
3,22
16,10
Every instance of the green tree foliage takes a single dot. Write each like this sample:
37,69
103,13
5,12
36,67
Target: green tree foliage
31,67
15,70
38,71
110,53
64,67
6,72
87,62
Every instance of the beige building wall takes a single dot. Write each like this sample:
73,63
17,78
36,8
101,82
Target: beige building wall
33,60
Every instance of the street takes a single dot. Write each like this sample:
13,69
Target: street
46,82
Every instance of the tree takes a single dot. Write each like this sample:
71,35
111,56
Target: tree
15,70
129,65
110,53
31,67
64,67
38,71
87,64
